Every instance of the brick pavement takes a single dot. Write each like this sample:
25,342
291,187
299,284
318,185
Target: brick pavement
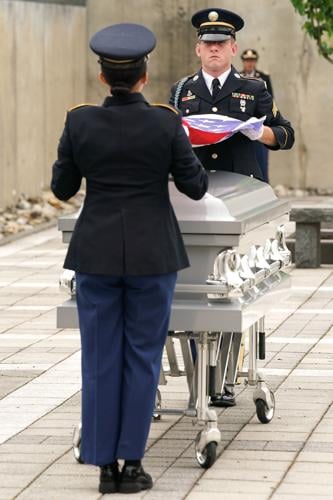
291,458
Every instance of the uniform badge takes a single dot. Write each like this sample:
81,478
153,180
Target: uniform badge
247,97
213,16
189,97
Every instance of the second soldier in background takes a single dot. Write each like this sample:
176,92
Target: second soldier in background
250,59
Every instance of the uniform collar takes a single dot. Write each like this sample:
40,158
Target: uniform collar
251,74
198,85
209,79
125,99
232,83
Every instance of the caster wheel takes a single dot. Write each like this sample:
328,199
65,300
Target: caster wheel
77,444
264,413
158,406
207,457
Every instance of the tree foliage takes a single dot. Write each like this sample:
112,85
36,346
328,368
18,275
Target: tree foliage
318,15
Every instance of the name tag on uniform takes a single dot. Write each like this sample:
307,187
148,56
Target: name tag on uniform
247,97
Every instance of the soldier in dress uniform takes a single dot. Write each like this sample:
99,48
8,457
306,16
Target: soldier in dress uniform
218,88
126,249
250,59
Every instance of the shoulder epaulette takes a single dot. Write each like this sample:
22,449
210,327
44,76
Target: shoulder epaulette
185,78
81,106
166,106
250,77
179,87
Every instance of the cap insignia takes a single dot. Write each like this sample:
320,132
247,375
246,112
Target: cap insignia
213,16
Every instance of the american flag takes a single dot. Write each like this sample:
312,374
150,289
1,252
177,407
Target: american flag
204,130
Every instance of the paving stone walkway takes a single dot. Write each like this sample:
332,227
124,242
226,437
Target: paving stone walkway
291,458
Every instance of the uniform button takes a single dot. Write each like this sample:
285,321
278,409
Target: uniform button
214,109
187,111
214,156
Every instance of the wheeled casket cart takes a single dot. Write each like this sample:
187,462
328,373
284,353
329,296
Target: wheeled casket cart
238,270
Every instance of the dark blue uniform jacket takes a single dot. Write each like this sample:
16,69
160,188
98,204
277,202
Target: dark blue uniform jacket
126,150
239,98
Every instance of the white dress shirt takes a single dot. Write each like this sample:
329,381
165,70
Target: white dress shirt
209,79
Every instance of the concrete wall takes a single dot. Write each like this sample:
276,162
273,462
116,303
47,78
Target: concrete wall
302,80
169,19
43,60
43,72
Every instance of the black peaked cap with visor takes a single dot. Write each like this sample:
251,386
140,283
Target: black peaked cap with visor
250,54
216,25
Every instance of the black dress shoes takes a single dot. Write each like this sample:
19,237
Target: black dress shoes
109,478
224,400
134,479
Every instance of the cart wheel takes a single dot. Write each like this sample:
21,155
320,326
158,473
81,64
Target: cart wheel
207,457
264,413
77,444
158,406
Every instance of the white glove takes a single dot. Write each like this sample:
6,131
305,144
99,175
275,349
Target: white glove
253,135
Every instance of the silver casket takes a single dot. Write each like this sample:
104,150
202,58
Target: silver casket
221,224
238,270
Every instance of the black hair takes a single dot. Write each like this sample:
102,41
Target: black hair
122,77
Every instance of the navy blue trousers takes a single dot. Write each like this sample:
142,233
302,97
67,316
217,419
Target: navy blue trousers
123,325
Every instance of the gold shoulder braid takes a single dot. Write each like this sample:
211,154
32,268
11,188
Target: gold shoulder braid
166,106
81,105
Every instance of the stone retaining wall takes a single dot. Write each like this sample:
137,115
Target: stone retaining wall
43,68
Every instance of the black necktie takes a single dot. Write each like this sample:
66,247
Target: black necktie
216,87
